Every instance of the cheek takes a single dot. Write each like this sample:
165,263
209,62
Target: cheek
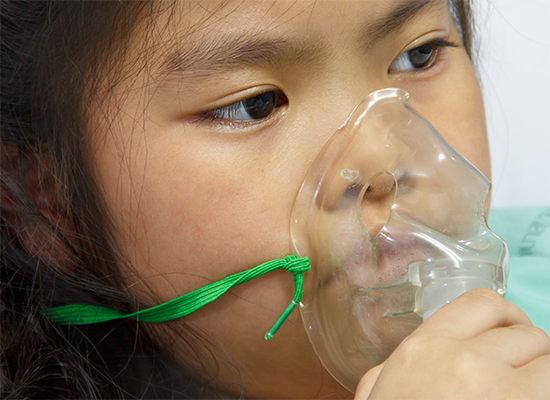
214,211
454,106
186,214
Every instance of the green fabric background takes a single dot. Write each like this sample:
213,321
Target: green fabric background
527,233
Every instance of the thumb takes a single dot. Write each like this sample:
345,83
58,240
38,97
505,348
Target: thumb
367,382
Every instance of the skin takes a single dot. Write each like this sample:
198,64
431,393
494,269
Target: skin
491,352
193,201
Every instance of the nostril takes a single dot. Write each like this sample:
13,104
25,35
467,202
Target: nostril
380,186
375,202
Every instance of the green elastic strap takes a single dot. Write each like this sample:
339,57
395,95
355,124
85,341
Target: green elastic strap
81,314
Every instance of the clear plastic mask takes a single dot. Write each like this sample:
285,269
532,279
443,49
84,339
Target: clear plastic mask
392,220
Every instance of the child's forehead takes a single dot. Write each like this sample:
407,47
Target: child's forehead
204,17
207,35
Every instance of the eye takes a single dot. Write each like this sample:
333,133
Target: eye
421,57
254,108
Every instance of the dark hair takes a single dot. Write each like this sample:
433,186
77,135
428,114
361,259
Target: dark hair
56,247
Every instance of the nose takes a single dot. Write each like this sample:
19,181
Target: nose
368,157
376,200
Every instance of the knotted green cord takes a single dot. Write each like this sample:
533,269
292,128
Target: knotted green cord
81,314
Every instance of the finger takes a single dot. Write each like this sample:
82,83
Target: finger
364,388
473,313
516,345
535,378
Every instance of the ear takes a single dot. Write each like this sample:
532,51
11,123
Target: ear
31,202
27,179
43,187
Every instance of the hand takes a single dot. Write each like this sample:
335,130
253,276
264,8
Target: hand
479,346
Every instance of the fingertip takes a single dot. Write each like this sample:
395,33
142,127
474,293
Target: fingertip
484,295
474,312
503,312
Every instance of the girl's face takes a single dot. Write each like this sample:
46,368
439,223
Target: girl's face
204,149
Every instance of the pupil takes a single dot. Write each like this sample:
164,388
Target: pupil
420,56
260,106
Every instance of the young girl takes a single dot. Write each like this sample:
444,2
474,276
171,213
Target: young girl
149,149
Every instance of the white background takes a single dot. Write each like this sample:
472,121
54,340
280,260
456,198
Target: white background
514,66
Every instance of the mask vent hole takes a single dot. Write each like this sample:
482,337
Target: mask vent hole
375,203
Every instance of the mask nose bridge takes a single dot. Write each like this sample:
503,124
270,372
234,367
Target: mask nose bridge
367,173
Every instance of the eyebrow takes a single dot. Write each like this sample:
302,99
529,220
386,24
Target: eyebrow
236,52
394,20
223,53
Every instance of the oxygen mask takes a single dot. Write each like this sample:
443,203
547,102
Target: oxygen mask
392,220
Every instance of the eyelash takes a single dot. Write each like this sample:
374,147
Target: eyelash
263,104
434,47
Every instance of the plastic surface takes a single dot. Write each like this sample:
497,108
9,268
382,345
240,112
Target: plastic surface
392,219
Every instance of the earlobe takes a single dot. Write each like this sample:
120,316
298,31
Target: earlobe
8,165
